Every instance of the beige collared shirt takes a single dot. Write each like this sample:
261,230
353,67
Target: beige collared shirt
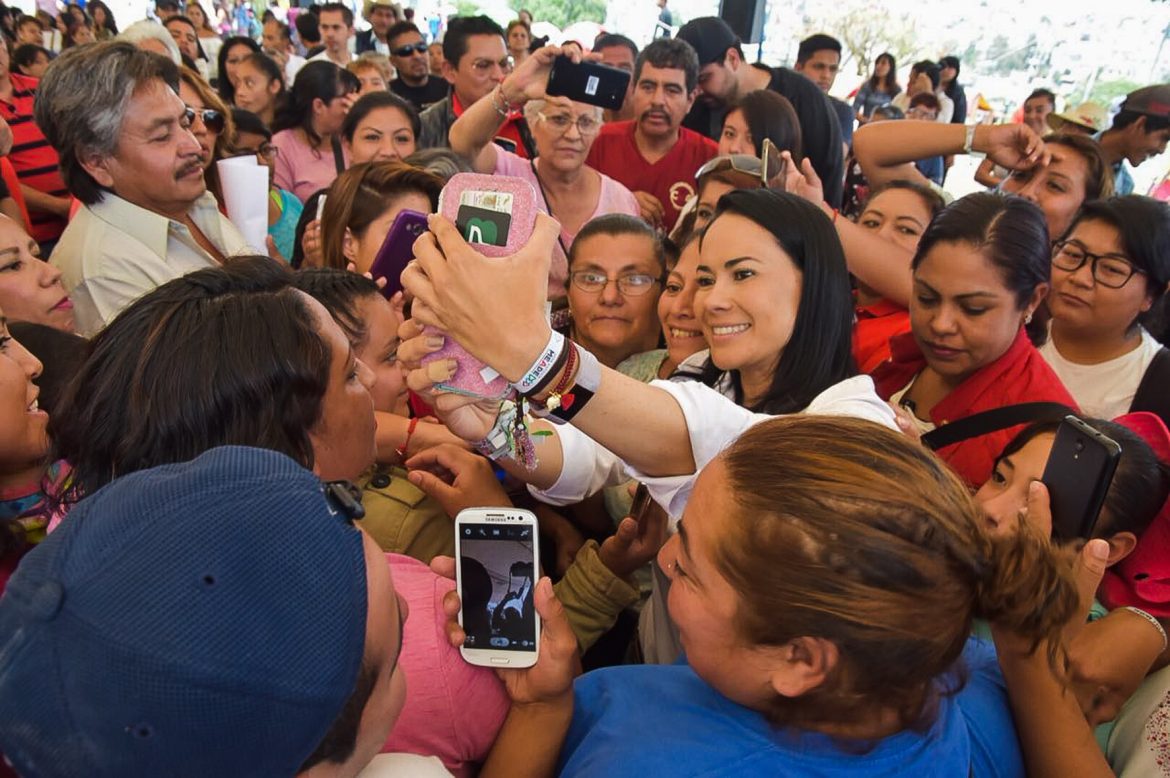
113,252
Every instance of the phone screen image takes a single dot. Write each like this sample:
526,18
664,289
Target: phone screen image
497,572
484,217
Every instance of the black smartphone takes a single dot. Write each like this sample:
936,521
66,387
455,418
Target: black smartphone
588,82
1078,474
641,503
398,249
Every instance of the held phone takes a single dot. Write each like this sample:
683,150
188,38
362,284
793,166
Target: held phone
496,215
641,503
496,570
1078,474
588,82
773,167
398,249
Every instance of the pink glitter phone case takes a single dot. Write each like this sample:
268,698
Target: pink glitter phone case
496,215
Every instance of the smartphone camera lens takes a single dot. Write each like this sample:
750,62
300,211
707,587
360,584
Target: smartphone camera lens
1080,445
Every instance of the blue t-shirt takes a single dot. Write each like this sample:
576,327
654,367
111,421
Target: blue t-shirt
640,721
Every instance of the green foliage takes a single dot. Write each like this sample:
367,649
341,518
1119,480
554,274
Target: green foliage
1104,92
467,8
562,13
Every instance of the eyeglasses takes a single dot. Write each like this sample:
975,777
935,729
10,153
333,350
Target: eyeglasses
633,284
212,119
267,150
1109,270
561,122
922,113
406,51
482,66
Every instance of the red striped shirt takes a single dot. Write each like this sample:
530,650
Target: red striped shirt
35,161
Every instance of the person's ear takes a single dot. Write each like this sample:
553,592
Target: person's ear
1039,295
449,72
349,246
1121,545
274,87
802,665
732,60
98,167
318,106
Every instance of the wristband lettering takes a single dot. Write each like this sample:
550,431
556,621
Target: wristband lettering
545,366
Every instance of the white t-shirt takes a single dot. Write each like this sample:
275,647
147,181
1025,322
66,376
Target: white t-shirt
1138,744
1104,390
404,766
713,423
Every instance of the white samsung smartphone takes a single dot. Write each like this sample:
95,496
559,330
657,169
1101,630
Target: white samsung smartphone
497,559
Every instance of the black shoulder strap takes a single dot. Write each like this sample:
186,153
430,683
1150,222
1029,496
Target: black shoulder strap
526,137
547,204
338,155
1153,393
993,420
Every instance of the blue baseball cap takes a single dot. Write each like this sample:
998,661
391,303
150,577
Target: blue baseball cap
204,618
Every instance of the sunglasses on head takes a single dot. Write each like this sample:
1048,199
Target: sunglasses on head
212,119
406,51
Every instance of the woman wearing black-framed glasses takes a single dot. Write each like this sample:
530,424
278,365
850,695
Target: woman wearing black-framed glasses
1109,272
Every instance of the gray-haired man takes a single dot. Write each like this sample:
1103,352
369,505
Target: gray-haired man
126,150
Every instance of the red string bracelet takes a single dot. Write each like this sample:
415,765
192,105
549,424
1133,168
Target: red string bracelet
409,433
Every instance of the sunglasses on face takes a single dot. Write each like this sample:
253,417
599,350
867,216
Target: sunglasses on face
414,48
212,119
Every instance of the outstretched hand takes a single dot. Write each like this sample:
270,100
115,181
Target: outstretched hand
1014,146
469,418
802,180
528,80
493,307
456,479
635,543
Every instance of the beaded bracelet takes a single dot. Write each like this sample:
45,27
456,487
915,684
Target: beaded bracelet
510,436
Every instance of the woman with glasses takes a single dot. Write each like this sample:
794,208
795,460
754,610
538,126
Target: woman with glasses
1108,271
210,124
307,129
567,189
260,87
284,209
616,270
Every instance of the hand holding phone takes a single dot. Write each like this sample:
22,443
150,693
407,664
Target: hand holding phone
497,562
397,250
496,214
588,82
1079,471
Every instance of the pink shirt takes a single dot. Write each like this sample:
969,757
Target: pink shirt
301,169
453,710
613,198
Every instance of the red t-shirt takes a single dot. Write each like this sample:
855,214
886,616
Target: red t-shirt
33,158
670,179
508,136
876,324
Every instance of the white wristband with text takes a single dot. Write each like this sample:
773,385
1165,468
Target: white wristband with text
545,363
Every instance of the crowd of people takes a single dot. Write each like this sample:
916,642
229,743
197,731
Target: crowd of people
229,474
